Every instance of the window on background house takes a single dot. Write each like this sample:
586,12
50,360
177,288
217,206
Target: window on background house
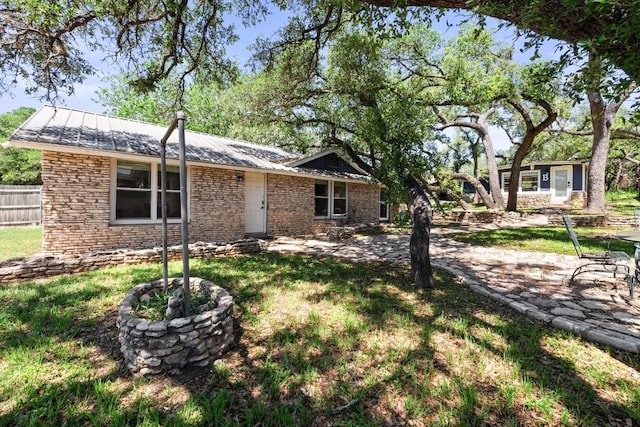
330,199
529,181
506,179
138,192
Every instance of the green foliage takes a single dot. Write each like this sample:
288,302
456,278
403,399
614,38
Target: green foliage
360,102
204,105
157,40
190,39
18,166
155,306
10,121
477,70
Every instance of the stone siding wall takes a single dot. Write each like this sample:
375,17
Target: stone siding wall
76,208
364,203
322,226
578,200
595,221
533,200
290,205
217,205
72,187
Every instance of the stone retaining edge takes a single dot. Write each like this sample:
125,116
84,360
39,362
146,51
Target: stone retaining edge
46,265
585,330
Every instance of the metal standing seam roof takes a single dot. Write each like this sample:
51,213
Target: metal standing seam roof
63,128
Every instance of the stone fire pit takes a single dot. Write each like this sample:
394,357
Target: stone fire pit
168,346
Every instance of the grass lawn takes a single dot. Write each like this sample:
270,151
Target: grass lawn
20,241
547,239
622,202
318,342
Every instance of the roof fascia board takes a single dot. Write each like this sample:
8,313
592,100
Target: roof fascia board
549,163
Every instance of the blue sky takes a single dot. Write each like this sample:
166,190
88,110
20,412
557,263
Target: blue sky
85,96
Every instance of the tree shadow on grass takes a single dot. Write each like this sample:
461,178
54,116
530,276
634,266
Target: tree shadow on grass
318,342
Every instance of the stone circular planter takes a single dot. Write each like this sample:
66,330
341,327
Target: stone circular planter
168,346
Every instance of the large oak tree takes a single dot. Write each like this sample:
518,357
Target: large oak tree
44,44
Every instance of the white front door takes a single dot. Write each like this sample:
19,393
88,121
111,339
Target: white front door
255,209
560,184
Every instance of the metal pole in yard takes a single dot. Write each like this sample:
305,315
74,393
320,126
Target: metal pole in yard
184,214
163,201
163,204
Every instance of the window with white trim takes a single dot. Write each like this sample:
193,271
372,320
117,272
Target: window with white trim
137,193
339,198
330,199
529,181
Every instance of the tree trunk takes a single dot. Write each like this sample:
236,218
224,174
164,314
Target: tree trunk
434,189
481,127
480,190
492,166
602,116
638,181
574,22
601,123
420,211
476,166
514,185
532,131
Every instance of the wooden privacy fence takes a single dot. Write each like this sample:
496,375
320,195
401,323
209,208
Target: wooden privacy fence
20,205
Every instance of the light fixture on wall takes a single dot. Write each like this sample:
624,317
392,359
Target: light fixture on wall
239,177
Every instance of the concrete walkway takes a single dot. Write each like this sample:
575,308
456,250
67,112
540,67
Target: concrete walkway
532,283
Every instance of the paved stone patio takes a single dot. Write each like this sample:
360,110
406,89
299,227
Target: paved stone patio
597,308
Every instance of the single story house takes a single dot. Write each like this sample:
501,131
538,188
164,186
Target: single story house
101,185
549,183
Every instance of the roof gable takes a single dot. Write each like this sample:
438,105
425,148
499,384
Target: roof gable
329,161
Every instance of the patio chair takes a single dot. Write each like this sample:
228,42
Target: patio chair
636,222
604,262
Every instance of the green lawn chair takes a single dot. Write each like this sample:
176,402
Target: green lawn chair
615,262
